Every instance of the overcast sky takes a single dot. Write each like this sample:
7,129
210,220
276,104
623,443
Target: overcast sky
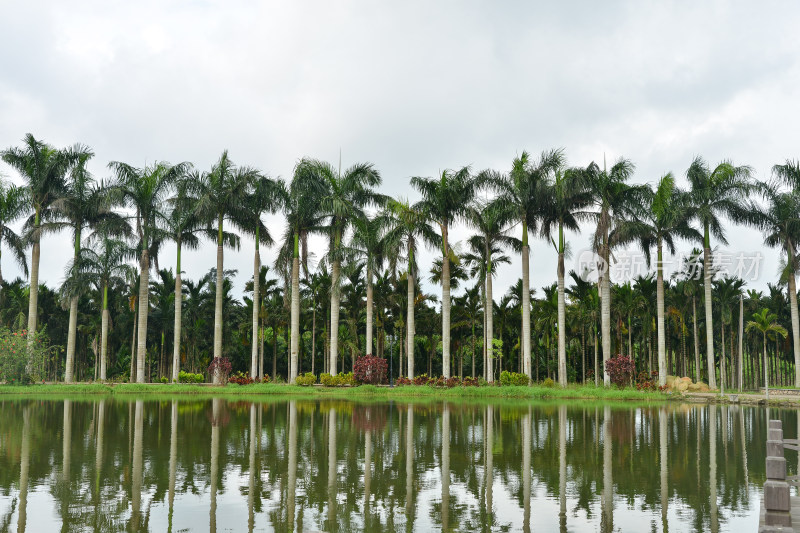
413,87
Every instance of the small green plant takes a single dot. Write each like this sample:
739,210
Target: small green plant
164,379
305,380
549,383
513,378
188,377
339,380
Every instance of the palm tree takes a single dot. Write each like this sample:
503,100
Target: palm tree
522,190
219,195
765,323
664,215
44,170
82,205
146,190
405,226
368,244
780,221
266,195
346,195
301,204
13,205
615,200
492,222
728,291
714,193
566,199
106,267
444,201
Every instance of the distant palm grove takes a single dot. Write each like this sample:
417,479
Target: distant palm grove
120,315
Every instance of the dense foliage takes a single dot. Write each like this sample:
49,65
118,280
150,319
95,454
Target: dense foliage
370,370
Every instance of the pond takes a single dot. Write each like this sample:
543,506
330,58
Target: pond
117,464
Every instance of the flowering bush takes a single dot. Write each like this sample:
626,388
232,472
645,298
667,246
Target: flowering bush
370,370
220,367
188,377
15,364
513,378
306,380
241,379
620,369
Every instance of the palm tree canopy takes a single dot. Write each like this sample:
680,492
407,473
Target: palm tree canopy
446,199
14,204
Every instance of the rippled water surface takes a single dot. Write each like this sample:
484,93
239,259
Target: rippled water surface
319,465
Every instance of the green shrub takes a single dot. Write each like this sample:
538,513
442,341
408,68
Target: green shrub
164,379
306,380
188,377
549,383
338,380
513,378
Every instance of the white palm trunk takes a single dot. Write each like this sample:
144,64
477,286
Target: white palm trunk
696,341
71,334
605,320
526,471
335,297
369,311
662,338
332,485
137,468
33,299
662,440
173,458
446,311
489,329
218,310
740,355
712,378
256,307
410,325
104,336
294,347
445,469
24,468
562,466
794,316
176,330
526,312
292,471
144,306
562,325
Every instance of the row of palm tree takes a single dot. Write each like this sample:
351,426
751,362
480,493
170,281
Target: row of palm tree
139,209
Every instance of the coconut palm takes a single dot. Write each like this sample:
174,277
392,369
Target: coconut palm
779,219
765,323
264,198
83,205
346,195
522,190
146,190
445,200
368,244
219,195
715,193
492,221
13,205
106,267
665,215
301,205
615,201
406,227
44,170
565,202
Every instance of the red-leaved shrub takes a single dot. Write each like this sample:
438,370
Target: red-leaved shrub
370,370
620,369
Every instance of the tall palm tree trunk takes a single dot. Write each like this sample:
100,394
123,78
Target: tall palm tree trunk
144,305
562,322
410,324
133,342
335,296
369,311
526,306
176,330
104,336
740,355
712,378
489,328
33,299
218,301
73,329
794,315
256,306
662,338
696,342
446,309
605,309
294,347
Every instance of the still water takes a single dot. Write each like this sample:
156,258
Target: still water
319,465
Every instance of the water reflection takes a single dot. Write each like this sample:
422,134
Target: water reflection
140,465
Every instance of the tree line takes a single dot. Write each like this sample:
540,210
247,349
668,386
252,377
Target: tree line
364,293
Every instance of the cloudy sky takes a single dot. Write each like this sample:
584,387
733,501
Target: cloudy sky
413,87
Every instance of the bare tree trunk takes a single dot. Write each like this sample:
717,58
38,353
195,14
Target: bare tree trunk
605,317
712,378
697,375
33,300
295,320
133,342
794,315
489,329
446,308
104,336
410,324
176,333
661,332
335,295
562,323
144,306
218,308
71,334
369,311
526,307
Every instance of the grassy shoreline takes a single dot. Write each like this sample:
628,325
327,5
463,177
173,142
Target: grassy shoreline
534,392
